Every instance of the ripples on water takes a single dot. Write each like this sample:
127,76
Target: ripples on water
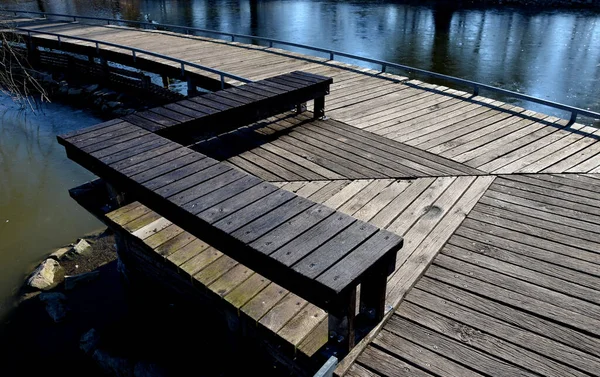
36,212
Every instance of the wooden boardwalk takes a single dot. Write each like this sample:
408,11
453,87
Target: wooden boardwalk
514,292
498,206
488,135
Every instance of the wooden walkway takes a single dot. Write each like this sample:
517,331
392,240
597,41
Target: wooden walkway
488,135
498,206
514,292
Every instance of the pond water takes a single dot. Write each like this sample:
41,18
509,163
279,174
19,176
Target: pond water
551,54
36,212
548,53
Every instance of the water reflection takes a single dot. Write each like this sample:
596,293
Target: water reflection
36,212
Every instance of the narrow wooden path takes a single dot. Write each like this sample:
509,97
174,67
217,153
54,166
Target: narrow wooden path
498,206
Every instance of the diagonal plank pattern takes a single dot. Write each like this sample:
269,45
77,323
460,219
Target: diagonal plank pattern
293,148
513,292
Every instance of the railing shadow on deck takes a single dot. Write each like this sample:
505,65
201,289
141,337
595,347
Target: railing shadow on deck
234,143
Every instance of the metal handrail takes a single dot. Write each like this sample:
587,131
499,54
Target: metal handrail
136,51
575,111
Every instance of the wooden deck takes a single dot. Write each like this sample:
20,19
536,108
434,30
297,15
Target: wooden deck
514,292
498,206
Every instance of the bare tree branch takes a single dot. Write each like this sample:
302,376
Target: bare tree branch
16,73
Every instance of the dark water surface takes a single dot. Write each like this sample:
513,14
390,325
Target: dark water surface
36,212
551,53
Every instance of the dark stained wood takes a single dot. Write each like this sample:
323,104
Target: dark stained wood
134,151
142,158
272,219
198,191
312,239
335,249
143,122
160,165
151,159
196,179
288,231
362,260
124,147
173,171
221,194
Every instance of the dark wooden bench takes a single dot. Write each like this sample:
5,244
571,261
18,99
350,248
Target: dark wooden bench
228,109
309,249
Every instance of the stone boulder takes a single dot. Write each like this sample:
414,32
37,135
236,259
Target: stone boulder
91,88
47,276
89,341
58,254
72,282
74,92
113,365
56,305
81,247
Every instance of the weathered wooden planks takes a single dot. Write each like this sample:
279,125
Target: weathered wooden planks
535,236
513,292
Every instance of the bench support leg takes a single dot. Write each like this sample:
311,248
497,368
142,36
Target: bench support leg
300,108
341,326
191,87
116,196
372,296
319,110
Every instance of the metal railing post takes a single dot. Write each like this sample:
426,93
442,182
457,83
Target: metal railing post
330,55
182,69
222,81
475,90
133,54
383,67
573,118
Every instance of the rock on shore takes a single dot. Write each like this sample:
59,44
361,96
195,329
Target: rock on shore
47,276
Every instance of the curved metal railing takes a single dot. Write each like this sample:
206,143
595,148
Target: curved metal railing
137,51
476,86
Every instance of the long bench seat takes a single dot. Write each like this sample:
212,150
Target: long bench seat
230,108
